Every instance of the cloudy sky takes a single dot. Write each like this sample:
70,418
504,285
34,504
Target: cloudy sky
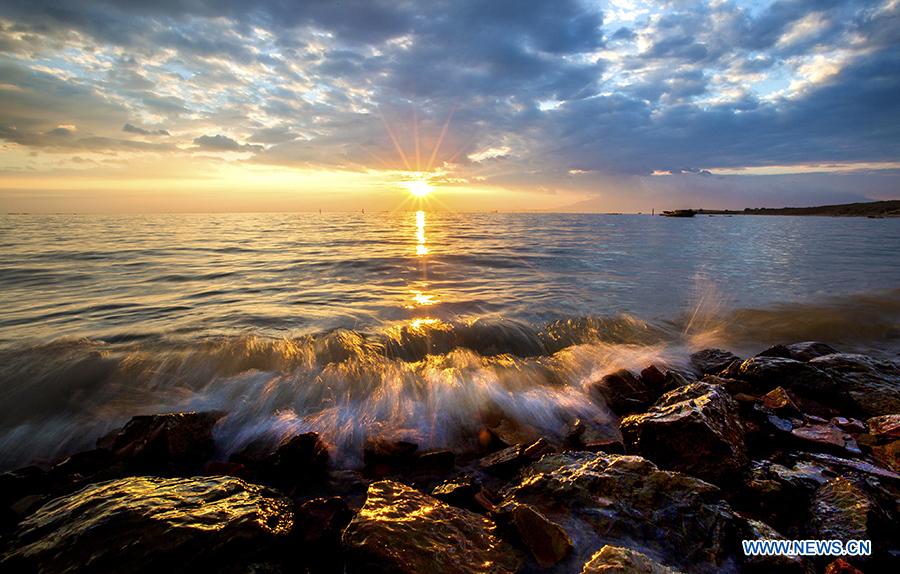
616,105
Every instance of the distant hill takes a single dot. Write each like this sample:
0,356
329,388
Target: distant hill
867,209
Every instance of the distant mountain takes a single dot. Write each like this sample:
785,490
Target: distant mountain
866,209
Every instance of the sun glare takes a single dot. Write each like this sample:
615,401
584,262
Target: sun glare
419,188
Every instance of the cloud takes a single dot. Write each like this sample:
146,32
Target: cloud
222,143
136,130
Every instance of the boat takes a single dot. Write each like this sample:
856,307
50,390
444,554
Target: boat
680,213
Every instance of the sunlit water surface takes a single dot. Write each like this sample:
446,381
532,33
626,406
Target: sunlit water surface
417,325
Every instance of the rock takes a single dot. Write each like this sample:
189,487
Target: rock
888,455
783,404
849,425
459,491
144,524
653,377
303,458
234,469
841,510
628,500
841,566
808,350
623,393
733,386
391,452
581,434
777,563
766,373
547,540
400,530
874,384
618,560
508,461
318,527
166,445
776,351
436,461
827,438
693,429
711,361
886,428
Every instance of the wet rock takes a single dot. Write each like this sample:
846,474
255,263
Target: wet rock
459,491
653,377
777,351
874,384
711,361
849,425
400,530
695,429
628,500
782,402
827,438
302,459
885,428
766,373
508,461
623,393
144,524
772,564
234,469
618,560
808,350
842,510
888,455
437,461
780,494
546,540
318,527
841,566
582,434
166,445
392,452
733,386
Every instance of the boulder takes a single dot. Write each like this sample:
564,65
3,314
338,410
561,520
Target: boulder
623,392
508,461
459,491
400,530
808,350
547,541
694,429
317,528
176,444
885,428
783,404
767,373
826,438
770,564
301,459
842,510
148,525
873,384
618,560
709,361
627,500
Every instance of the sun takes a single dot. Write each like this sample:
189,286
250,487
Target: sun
419,188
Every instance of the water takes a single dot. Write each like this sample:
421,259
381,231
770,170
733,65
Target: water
415,325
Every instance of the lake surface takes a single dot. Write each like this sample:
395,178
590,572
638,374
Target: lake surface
412,324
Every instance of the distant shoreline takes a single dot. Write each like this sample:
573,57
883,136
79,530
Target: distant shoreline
868,209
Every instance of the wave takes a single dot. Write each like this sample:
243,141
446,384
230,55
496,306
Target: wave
434,382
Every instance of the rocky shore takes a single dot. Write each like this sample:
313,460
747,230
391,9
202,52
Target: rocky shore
800,442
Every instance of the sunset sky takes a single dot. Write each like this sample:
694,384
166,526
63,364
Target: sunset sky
619,105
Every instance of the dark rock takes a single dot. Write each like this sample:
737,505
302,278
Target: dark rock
782,403
437,461
459,491
618,560
874,384
512,432
623,393
842,510
535,451
888,455
711,361
733,386
147,525
808,350
228,469
318,527
766,373
827,438
849,425
392,452
546,540
653,377
166,445
400,530
582,433
628,500
841,566
607,446
770,564
303,458
777,351
694,429
508,461
22,482
886,427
